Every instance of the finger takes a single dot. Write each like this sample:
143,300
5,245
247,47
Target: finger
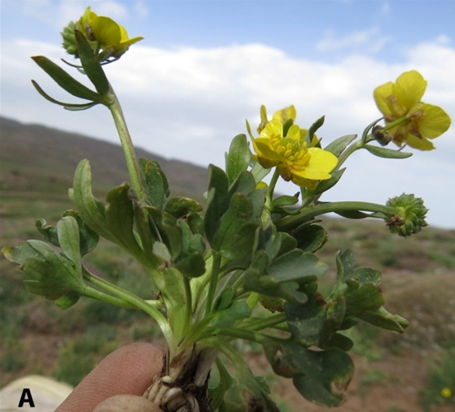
127,403
128,370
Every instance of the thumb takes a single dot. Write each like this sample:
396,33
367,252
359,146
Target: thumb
127,403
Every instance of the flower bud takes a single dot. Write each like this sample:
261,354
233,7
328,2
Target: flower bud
382,136
409,217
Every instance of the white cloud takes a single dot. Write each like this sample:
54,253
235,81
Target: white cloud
385,8
141,8
369,41
188,103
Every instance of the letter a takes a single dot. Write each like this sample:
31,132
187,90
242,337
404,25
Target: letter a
26,397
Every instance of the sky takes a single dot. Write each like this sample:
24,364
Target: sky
206,66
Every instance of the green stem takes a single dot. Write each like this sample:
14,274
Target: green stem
236,333
213,282
290,222
348,152
395,123
112,300
188,302
259,324
134,301
127,144
271,189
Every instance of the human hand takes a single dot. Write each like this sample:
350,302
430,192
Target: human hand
118,382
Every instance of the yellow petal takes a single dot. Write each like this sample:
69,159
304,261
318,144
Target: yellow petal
263,150
272,128
381,94
320,165
106,31
417,143
409,88
434,122
285,114
294,133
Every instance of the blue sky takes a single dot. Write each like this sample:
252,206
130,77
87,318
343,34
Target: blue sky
206,66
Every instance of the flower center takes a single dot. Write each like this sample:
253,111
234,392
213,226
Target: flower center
296,156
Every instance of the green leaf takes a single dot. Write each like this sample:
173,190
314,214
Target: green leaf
191,266
315,322
119,218
91,65
321,377
259,172
255,280
346,262
90,208
339,145
65,81
387,153
169,231
48,273
156,186
227,317
313,129
244,184
87,237
360,288
235,236
238,158
68,237
49,232
181,206
384,319
68,106
284,201
296,266
217,201
68,300
310,238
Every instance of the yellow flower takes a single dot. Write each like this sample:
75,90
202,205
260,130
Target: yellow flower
106,33
415,121
294,160
446,392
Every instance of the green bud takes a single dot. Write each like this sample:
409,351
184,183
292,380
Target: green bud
69,39
409,217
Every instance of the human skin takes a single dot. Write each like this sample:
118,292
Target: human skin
118,382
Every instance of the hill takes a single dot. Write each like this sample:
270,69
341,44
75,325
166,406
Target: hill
35,159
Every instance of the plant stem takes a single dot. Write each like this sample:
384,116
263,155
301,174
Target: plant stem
259,324
213,282
310,212
134,301
127,144
236,333
271,189
348,152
